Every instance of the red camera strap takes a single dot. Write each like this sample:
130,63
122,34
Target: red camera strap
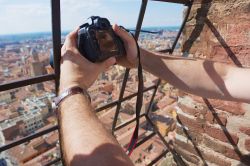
139,103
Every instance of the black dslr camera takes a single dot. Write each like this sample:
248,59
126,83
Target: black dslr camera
97,41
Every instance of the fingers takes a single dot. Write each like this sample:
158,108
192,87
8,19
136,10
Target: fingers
123,34
71,38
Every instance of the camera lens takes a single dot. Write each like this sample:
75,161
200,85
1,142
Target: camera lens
92,32
103,23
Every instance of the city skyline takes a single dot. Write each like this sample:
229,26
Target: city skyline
37,14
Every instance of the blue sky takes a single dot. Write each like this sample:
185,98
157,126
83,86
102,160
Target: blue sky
22,16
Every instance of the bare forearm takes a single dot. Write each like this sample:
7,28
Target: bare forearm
199,77
85,141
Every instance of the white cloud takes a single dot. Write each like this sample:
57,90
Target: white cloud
23,17
27,9
29,16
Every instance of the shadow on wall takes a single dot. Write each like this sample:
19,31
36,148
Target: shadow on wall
201,21
243,158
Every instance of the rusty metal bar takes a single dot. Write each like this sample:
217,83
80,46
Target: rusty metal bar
127,122
188,3
158,158
56,38
25,82
28,138
53,162
184,2
153,96
176,156
124,82
145,139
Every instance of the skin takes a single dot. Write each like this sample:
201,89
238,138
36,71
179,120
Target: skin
85,141
200,77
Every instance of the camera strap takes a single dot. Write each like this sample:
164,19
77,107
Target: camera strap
139,101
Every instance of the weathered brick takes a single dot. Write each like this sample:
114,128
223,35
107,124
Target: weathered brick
218,30
164,102
241,30
228,106
216,159
192,111
216,118
202,153
187,155
187,146
192,124
247,144
221,148
195,136
221,135
245,130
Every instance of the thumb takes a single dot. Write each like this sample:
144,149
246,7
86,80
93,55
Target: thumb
107,63
122,33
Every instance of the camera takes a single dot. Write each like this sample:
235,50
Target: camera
97,41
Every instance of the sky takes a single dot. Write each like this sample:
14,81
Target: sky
25,16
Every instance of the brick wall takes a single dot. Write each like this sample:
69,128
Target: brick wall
215,131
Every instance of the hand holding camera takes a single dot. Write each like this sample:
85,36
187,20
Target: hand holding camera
92,49
76,70
96,49
98,41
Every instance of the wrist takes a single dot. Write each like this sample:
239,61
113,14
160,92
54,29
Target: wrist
66,85
68,93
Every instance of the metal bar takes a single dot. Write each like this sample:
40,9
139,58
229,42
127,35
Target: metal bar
158,158
25,82
124,82
33,136
127,123
176,156
145,139
138,28
188,3
28,138
153,96
56,37
140,18
184,2
112,104
53,162
182,27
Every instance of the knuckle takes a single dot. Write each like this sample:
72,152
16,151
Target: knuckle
69,50
67,37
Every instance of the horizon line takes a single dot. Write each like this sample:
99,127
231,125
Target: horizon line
66,31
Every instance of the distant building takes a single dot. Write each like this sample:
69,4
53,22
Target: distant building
12,128
32,121
40,104
37,69
34,54
24,124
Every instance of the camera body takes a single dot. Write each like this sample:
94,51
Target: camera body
97,41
